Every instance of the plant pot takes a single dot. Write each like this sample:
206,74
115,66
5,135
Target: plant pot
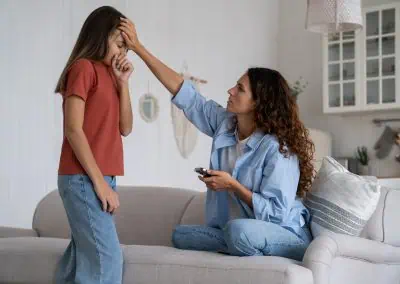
364,170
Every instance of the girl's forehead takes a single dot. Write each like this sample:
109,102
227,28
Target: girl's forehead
116,36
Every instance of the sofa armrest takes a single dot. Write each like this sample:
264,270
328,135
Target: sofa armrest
10,232
324,249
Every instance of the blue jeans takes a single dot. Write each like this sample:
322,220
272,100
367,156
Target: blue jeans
244,237
94,254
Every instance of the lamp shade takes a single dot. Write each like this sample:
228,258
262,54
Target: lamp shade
331,16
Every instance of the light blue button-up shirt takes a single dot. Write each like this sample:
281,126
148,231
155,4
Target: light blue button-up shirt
262,169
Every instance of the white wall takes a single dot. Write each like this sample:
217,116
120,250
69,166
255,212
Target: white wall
300,54
218,39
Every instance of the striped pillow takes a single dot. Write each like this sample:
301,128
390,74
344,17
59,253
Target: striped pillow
340,201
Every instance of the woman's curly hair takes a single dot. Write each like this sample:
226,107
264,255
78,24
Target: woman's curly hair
277,114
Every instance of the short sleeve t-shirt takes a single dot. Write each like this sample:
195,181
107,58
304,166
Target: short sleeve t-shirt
94,83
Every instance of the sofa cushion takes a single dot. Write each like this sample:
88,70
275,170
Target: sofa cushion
383,225
374,229
340,201
172,266
148,215
30,259
34,260
391,218
137,220
194,213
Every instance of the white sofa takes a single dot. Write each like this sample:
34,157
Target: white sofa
145,222
147,218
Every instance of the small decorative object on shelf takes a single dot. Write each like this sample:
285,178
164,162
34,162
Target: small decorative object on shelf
363,159
298,87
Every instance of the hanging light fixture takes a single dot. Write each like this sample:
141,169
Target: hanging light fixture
331,16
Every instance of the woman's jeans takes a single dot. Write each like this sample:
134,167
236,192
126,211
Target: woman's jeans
94,254
244,237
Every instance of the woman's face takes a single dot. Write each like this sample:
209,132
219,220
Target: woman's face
116,46
240,97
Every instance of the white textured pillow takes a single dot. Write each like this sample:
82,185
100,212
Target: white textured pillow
340,201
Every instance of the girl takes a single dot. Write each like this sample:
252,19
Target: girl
261,163
97,111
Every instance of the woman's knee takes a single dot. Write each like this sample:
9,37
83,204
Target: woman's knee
178,235
237,228
175,237
237,235
197,237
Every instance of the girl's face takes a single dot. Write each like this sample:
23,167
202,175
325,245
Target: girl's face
116,47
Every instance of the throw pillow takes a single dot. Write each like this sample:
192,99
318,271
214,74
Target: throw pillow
340,201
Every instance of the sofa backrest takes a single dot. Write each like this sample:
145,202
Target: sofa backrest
383,225
323,146
195,211
147,215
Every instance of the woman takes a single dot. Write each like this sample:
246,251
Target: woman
261,163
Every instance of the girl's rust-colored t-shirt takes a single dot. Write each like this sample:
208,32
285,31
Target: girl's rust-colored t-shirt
94,83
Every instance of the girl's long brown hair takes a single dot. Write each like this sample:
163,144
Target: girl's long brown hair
92,42
277,113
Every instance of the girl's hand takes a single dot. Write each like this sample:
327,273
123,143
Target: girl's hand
108,197
129,34
122,68
219,181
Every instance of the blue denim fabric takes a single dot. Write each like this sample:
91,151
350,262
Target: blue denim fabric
244,237
94,254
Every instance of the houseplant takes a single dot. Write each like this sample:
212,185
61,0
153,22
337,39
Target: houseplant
363,160
298,87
